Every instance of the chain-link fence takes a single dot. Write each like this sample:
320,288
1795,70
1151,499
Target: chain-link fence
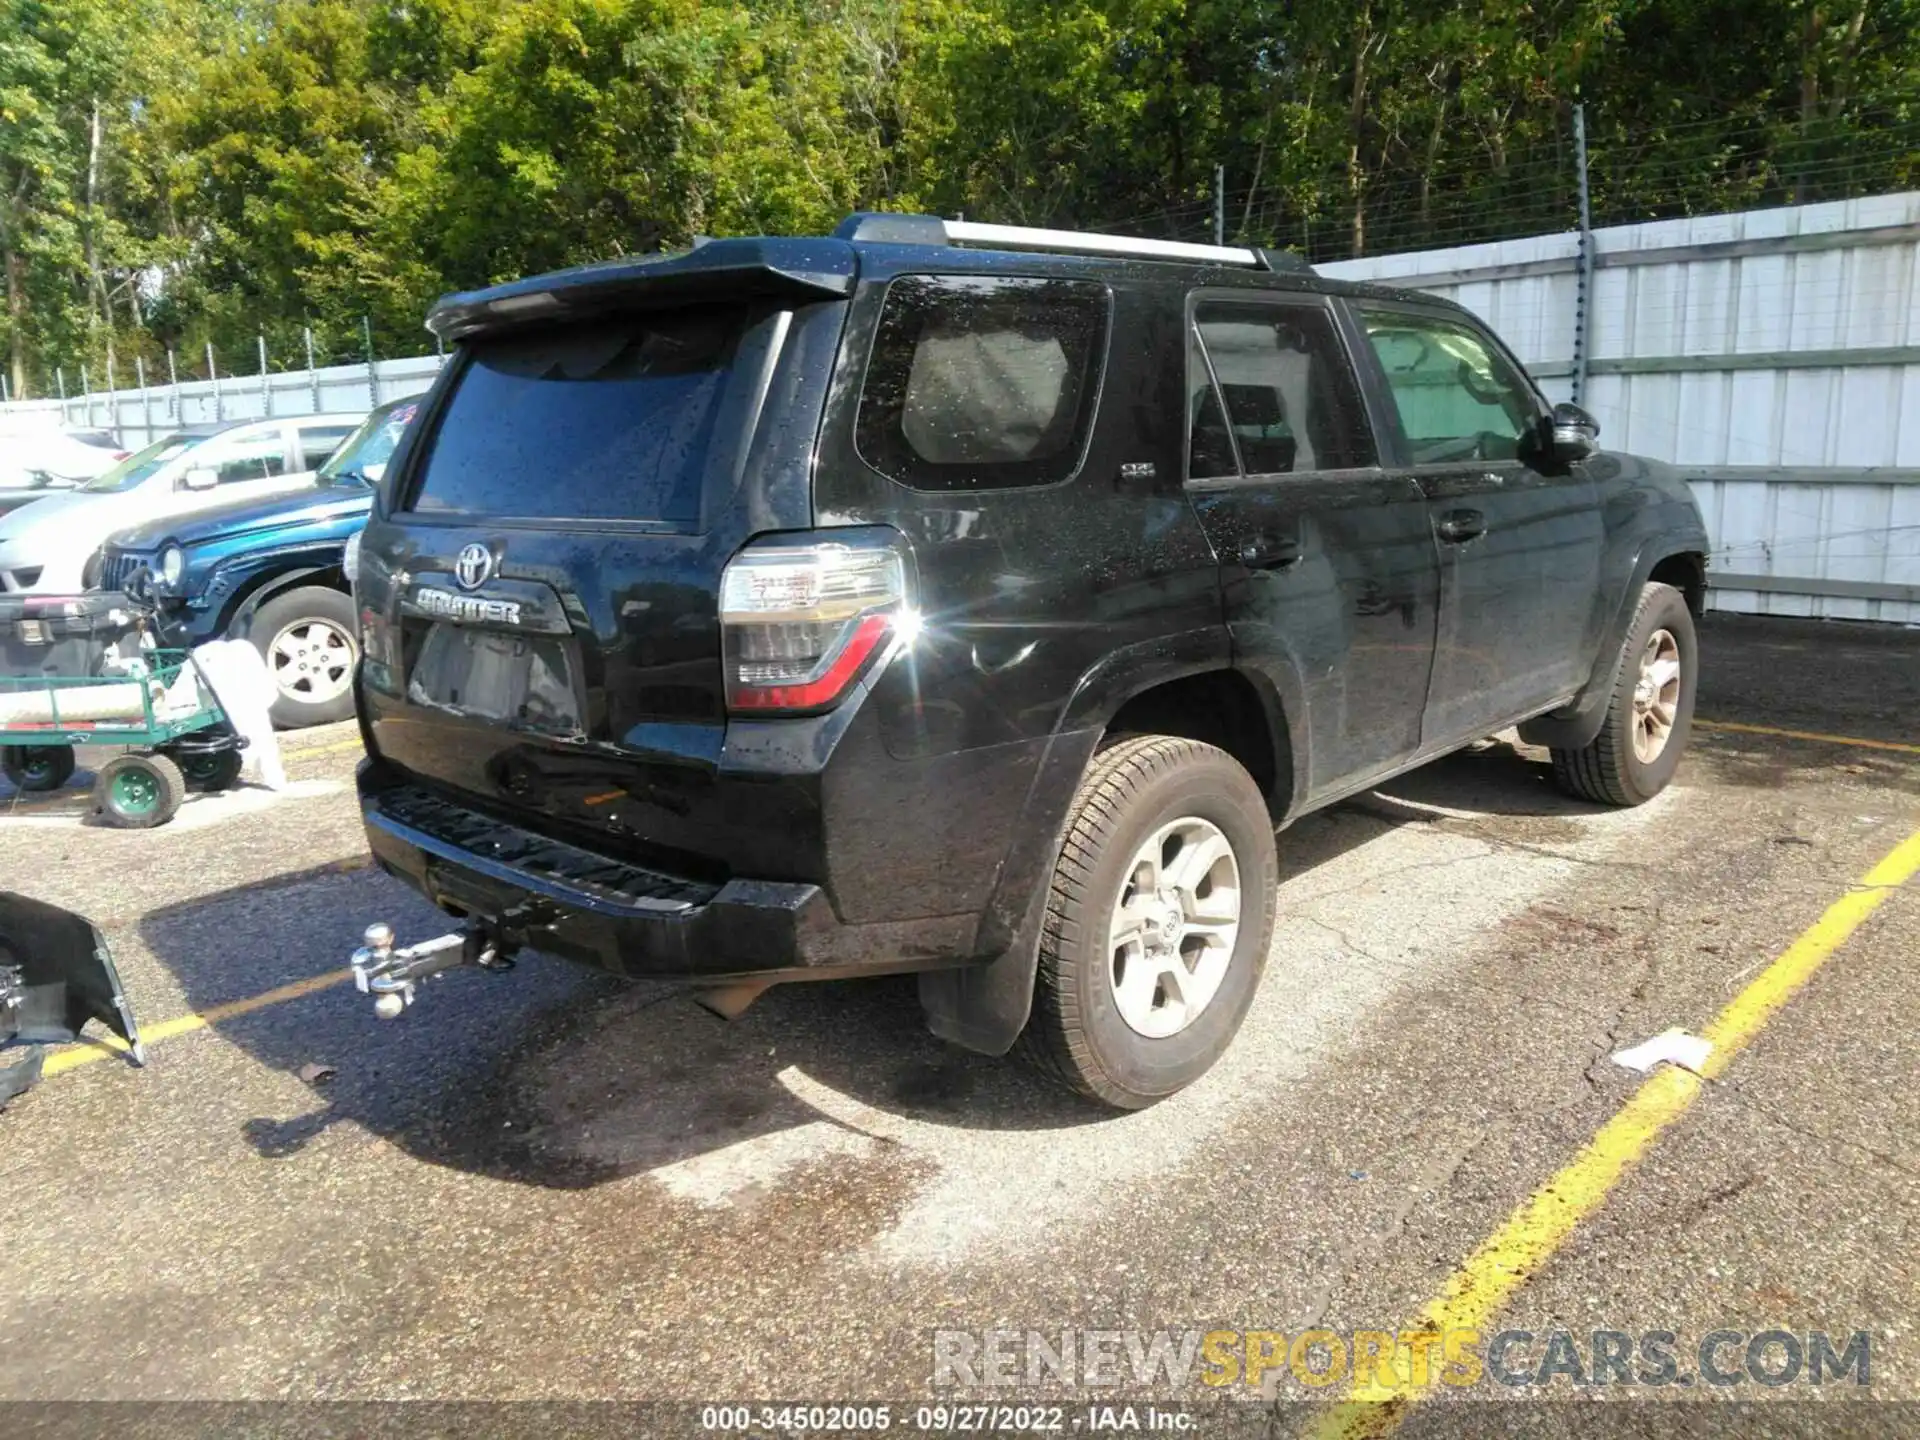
302,352
1469,195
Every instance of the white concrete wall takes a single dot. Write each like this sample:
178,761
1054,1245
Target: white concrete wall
1774,355
142,415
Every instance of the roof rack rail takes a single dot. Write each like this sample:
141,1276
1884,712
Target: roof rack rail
875,226
1021,237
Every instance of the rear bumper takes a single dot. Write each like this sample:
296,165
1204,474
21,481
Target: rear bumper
628,919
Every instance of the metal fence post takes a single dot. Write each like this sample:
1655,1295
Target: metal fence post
173,386
313,375
1219,204
266,391
213,374
60,384
113,400
373,375
146,401
86,394
1583,278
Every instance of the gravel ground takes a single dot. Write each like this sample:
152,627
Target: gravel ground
554,1186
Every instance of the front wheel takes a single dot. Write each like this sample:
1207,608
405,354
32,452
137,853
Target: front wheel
1649,714
307,638
1158,920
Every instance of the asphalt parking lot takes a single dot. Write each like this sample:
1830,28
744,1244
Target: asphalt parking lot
549,1185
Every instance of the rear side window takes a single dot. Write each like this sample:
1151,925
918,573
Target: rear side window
612,420
1291,400
260,458
979,383
1210,454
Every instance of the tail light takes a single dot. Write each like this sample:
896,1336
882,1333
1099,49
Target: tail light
800,620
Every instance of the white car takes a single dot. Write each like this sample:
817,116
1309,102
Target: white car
45,545
47,452
37,457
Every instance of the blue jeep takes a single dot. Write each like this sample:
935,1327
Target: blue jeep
270,571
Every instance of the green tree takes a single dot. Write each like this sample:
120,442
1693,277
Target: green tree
177,172
33,180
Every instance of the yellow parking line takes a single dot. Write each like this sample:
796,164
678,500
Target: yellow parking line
1814,735
1475,1292
75,1056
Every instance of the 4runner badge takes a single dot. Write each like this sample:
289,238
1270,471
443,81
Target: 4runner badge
474,567
450,606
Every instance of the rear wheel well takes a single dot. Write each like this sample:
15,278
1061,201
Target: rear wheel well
1219,708
1687,573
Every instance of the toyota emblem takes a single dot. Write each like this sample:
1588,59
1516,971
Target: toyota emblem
474,567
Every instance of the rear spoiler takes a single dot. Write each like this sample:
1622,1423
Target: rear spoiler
797,270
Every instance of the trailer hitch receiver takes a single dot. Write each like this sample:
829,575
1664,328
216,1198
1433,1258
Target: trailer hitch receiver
392,975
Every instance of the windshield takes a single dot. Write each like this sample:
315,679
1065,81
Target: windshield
141,465
363,455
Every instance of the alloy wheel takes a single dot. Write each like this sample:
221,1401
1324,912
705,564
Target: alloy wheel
1173,929
1656,696
312,661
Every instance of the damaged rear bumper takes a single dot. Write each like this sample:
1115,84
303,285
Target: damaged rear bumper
548,895
56,973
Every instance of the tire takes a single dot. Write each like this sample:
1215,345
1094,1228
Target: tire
1614,769
138,792
1080,1033
316,627
208,771
37,767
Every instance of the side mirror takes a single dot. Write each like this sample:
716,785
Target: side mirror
1575,433
200,478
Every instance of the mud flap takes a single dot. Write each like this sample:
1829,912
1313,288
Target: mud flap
56,974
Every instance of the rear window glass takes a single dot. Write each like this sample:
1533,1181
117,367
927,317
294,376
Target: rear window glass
606,421
977,383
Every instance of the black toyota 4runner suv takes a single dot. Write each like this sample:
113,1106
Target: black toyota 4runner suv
978,602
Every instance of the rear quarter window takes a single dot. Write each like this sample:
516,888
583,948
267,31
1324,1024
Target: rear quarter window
982,383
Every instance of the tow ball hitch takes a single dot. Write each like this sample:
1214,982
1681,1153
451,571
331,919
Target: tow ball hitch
390,975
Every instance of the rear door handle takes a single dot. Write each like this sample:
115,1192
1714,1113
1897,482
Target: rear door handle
1271,552
1458,526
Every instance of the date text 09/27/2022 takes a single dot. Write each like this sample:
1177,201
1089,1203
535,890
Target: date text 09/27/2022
947,1418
